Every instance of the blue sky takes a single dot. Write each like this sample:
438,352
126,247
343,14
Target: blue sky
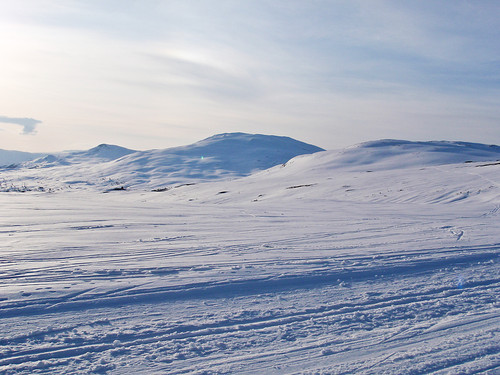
154,74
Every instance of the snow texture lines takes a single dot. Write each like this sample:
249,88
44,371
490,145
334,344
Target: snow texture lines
168,291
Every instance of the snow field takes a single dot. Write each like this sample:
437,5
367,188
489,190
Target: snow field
120,283
379,259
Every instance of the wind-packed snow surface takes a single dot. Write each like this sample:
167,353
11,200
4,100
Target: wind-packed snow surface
382,258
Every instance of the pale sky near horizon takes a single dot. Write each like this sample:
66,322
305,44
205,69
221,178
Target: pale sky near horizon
154,74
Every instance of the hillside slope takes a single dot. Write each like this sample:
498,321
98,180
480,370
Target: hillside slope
380,171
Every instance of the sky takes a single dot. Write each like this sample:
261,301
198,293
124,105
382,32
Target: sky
149,74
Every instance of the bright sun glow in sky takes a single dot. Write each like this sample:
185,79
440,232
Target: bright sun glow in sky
154,74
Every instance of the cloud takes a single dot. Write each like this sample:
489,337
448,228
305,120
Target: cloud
351,70
28,124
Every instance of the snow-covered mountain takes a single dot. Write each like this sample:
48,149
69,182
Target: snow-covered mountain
274,166
220,156
107,166
99,154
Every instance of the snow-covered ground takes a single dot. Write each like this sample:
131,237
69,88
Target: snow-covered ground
381,258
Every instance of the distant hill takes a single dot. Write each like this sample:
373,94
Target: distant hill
220,156
390,153
8,157
98,154
227,155
254,167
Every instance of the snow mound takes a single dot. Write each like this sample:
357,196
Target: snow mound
389,153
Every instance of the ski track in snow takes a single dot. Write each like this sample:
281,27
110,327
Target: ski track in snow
118,286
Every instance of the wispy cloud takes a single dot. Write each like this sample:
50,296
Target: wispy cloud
28,124
351,70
